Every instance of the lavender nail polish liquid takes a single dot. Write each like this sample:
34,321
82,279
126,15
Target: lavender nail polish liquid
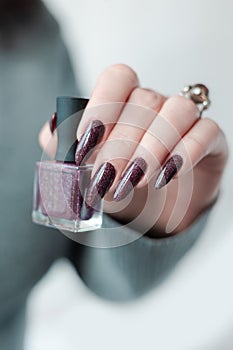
60,185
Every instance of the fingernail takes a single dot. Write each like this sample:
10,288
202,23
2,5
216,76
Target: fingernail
100,184
130,178
171,167
53,122
89,140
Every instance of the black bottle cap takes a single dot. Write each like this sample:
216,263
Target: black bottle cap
69,113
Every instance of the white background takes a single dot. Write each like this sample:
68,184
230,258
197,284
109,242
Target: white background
169,43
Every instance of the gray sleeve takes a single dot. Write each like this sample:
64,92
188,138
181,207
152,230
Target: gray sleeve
126,272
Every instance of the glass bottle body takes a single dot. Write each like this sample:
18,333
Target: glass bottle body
60,197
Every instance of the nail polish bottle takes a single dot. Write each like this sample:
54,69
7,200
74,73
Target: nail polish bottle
60,185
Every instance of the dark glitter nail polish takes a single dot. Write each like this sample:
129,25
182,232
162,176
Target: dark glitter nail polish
60,195
171,167
89,140
53,122
130,178
100,184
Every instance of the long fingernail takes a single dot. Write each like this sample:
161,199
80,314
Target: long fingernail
100,184
171,167
53,122
89,140
130,178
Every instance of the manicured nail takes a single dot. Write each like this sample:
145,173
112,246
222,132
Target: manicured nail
89,140
130,179
53,122
100,184
171,167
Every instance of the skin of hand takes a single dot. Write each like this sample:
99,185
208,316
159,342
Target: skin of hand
143,124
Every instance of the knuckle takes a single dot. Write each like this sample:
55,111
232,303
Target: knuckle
122,134
186,103
147,98
212,125
195,140
123,70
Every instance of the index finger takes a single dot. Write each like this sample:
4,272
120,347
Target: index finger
112,90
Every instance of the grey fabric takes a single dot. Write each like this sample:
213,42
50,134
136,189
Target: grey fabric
34,69
127,272
12,330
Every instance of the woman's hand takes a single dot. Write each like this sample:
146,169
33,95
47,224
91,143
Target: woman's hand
144,141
